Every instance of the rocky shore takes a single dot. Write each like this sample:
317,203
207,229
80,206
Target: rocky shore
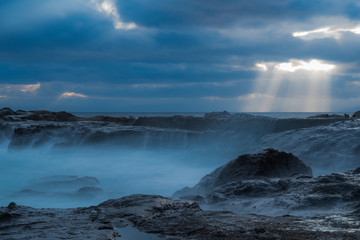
270,194
271,182
168,219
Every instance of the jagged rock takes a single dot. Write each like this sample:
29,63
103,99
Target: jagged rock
6,111
223,114
299,195
356,115
50,116
268,164
169,219
357,171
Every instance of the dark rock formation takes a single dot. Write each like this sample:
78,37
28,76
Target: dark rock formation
169,219
356,115
50,116
121,120
336,116
223,114
6,112
268,164
298,194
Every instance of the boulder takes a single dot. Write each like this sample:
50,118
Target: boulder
356,114
270,163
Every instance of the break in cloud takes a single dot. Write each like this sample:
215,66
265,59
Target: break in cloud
178,55
72,95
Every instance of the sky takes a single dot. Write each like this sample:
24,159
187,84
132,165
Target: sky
180,55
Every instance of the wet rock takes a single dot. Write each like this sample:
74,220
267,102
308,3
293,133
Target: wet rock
268,164
356,115
357,171
168,219
63,182
6,112
5,217
89,191
297,195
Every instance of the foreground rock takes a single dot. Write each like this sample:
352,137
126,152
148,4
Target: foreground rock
169,219
268,164
275,183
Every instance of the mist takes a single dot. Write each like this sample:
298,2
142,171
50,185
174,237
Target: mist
47,177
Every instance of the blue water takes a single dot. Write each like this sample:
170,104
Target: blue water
201,114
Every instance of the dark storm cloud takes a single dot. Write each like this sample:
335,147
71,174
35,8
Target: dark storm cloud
182,49
190,13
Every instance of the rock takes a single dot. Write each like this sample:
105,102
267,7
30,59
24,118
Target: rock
223,114
50,116
7,111
169,219
122,120
357,171
89,191
66,183
356,115
268,164
336,116
297,195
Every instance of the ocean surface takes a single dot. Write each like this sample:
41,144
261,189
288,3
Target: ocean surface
201,114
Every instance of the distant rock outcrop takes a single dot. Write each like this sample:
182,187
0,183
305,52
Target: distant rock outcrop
330,116
51,116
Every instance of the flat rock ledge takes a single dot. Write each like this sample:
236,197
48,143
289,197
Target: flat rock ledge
169,219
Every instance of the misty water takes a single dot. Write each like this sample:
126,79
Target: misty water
119,172
81,176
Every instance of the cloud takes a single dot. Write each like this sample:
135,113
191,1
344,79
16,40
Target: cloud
355,83
214,98
252,96
109,8
327,32
72,95
294,65
29,87
19,88
312,65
